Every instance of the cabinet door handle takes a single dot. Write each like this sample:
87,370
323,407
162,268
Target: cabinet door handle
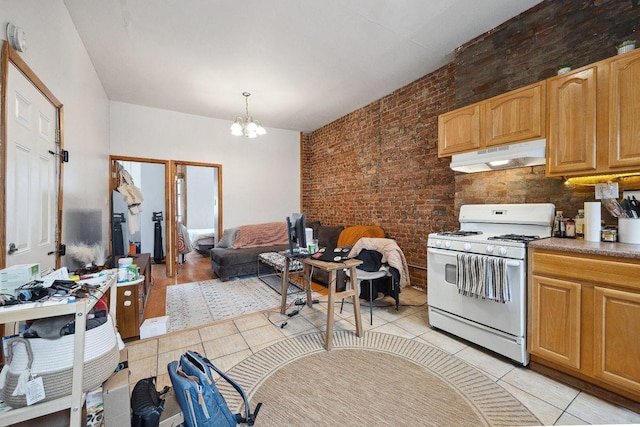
127,303
127,293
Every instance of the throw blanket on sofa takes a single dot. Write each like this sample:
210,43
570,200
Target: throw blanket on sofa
391,254
267,234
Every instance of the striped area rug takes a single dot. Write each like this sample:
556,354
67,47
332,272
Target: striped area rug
199,303
377,380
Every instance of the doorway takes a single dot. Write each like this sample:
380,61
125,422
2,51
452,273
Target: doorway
197,205
191,194
140,198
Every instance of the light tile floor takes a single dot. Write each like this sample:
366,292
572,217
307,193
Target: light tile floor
227,343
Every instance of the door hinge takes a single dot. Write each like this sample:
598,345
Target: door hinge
64,155
62,250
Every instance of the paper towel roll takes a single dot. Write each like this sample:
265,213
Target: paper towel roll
308,234
592,223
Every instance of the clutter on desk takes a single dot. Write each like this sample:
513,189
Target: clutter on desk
54,288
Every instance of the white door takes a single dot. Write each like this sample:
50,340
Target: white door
32,175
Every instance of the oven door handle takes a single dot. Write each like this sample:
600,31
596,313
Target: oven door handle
511,263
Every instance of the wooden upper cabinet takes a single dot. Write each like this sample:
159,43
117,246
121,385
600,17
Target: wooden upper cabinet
515,116
624,112
572,120
460,130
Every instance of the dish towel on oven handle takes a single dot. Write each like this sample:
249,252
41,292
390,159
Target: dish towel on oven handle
483,277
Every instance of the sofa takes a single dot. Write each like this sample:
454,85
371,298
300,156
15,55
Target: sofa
236,254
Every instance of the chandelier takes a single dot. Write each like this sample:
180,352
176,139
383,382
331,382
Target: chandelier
246,125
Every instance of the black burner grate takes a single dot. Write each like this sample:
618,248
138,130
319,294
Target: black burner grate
514,238
459,233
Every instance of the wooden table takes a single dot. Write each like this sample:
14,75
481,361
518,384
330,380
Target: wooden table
332,268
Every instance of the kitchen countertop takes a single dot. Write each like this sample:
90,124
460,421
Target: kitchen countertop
621,250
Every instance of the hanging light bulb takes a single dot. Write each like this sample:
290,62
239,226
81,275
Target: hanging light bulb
246,125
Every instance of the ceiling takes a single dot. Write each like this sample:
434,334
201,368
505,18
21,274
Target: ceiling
305,63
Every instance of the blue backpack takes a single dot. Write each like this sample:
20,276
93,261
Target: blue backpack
200,400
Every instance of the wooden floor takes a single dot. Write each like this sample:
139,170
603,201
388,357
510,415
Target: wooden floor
195,269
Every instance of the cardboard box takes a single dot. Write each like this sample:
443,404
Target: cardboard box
154,326
172,414
95,408
17,275
116,396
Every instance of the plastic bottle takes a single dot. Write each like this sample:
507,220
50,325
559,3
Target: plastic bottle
558,225
123,269
580,224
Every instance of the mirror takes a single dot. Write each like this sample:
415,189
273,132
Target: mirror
139,208
197,206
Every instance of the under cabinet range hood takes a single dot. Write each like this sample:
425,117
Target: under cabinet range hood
530,153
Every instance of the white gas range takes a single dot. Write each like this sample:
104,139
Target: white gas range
488,233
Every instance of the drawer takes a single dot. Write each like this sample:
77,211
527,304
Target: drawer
618,272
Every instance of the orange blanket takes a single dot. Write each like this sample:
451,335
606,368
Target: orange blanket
351,235
267,234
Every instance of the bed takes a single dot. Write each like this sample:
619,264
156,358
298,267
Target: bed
202,239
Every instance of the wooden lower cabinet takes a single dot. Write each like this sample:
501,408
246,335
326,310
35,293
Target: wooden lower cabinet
556,319
132,298
129,307
584,318
617,338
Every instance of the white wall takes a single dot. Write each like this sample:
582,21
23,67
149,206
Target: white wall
260,177
58,57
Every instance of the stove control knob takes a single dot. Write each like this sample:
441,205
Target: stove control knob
447,244
490,249
467,247
438,242
503,251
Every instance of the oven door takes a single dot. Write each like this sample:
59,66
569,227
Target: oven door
443,294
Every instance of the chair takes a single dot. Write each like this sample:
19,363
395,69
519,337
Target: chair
368,276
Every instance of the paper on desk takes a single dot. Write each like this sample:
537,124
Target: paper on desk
59,274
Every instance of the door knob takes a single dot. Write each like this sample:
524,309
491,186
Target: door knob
12,248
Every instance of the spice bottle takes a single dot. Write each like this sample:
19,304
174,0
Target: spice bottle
580,224
558,225
570,228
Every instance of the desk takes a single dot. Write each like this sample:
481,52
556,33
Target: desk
332,268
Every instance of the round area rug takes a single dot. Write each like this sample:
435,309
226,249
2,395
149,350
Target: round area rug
376,380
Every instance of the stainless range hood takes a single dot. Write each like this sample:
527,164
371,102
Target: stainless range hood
530,153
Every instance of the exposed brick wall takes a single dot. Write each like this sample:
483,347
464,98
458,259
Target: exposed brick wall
524,50
529,47
378,165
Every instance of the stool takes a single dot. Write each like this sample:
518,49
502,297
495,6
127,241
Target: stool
370,276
